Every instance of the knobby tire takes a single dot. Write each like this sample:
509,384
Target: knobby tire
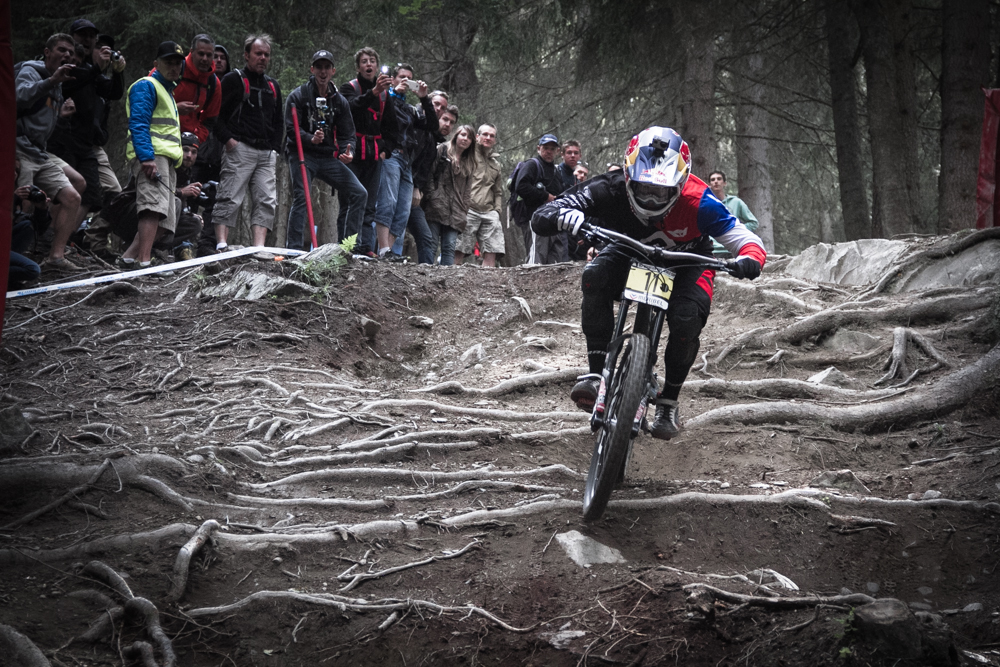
628,384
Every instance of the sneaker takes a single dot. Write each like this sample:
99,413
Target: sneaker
668,419
394,258
584,392
125,265
60,264
185,254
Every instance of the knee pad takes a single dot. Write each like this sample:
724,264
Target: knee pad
595,279
685,320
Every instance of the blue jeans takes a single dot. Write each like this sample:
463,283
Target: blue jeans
368,174
417,224
332,171
395,194
447,237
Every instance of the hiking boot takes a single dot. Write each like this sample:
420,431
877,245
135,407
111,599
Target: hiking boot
60,264
585,391
668,420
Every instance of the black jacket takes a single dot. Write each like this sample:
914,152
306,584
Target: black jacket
410,120
258,120
424,158
536,180
339,129
374,118
89,89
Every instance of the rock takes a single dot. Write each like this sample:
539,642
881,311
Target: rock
890,627
920,606
925,590
561,640
14,429
930,494
872,587
473,355
370,328
854,263
421,322
972,607
585,551
196,458
978,265
834,378
851,342
252,285
840,479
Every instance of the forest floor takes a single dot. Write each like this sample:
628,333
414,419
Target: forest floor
369,514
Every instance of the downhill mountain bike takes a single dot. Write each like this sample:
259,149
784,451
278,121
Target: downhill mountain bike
628,382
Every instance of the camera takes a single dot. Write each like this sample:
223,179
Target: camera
412,85
385,69
321,109
36,196
116,55
208,190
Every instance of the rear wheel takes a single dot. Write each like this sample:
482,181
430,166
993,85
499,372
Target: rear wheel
628,384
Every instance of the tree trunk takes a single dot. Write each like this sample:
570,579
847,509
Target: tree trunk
752,149
965,66
460,78
841,35
893,146
697,92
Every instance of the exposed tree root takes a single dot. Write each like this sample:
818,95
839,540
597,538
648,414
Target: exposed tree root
415,436
548,437
333,503
507,386
354,604
145,612
171,536
896,363
950,393
183,562
749,293
355,580
72,493
142,652
502,415
699,593
383,475
782,388
391,453
100,571
20,650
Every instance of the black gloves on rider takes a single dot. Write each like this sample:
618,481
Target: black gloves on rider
745,267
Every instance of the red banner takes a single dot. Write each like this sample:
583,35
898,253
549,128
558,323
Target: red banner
8,117
987,202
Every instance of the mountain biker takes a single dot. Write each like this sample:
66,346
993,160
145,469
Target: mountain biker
654,199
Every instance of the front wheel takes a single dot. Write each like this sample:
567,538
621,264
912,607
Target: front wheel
628,385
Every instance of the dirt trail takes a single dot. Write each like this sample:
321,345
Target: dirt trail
374,508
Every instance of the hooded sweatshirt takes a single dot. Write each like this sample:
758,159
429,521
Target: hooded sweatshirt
203,89
34,129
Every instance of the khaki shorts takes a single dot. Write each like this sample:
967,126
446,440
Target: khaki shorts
47,175
109,180
482,227
156,197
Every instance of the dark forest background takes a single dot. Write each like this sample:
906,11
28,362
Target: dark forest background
834,119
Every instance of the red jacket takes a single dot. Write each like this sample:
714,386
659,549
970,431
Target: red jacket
195,86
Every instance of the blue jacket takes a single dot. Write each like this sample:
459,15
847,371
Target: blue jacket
142,102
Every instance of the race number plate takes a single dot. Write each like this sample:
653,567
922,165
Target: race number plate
650,285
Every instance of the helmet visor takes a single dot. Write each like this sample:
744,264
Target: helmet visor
652,197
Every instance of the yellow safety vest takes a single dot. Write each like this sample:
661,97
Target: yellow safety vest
164,126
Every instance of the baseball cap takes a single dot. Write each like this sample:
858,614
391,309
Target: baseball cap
106,40
80,25
190,139
548,139
322,54
169,50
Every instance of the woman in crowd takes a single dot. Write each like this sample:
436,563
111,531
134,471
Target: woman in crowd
448,201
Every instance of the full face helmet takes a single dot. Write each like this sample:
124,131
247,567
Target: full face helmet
657,164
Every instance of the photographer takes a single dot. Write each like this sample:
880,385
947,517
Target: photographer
326,131
191,196
38,86
30,218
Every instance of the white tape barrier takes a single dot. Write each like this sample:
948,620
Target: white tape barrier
164,268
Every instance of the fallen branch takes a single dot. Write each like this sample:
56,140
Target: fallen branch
183,561
356,580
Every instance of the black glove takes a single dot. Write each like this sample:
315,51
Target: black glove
745,267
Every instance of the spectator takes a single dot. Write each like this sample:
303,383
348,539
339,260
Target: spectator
736,206
30,215
571,154
182,242
154,152
38,86
538,183
197,94
447,201
250,127
395,191
326,130
485,199
579,248
374,118
581,173
423,167
208,169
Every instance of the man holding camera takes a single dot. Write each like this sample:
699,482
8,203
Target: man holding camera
374,118
326,130
38,86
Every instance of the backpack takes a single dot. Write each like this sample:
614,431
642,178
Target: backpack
37,106
246,85
519,212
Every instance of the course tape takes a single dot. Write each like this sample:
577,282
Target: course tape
164,268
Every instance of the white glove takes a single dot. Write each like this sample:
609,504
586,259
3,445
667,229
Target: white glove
570,220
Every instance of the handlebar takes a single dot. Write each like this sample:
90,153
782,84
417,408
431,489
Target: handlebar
594,233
